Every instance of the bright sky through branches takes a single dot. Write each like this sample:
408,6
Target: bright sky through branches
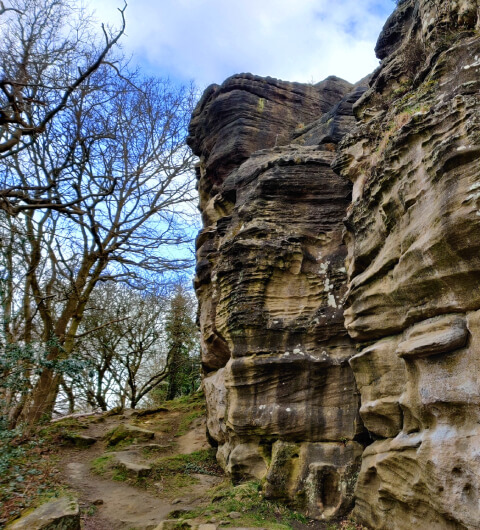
208,40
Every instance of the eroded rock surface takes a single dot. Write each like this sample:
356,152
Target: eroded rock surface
413,238
271,284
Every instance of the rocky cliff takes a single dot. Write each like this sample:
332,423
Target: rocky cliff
413,238
271,280
294,319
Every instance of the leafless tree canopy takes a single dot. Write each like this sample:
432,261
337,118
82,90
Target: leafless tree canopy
47,51
102,192
130,343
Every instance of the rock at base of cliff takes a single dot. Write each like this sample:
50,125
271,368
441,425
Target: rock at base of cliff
57,514
318,478
216,398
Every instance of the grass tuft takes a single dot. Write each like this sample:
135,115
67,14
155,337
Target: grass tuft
248,501
202,462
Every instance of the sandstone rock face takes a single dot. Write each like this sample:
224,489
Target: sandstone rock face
413,238
248,113
271,284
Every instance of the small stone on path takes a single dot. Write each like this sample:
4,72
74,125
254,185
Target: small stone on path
125,461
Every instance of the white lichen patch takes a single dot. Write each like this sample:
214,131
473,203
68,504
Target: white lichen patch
474,186
473,65
324,267
473,196
327,285
331,301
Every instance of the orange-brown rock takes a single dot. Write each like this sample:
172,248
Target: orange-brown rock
413,238
271,284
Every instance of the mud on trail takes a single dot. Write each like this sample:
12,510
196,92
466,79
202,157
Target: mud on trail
140,467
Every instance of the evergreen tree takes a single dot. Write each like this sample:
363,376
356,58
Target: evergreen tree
182,340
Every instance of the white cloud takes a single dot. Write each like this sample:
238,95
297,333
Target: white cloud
208,40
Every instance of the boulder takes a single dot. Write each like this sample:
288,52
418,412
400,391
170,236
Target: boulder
79,440
321,477
56,514
128,433
216,398
130,461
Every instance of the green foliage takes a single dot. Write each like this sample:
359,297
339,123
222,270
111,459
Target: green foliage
25,477
189,402
187,420
105,466
55,433
20,362
181,331
10,452
247,500
13,359
120,474
101,464
202,462
190,407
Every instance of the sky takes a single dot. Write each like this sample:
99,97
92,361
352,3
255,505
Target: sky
206,41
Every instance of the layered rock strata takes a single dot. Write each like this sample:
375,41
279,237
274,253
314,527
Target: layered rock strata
281,396
413,238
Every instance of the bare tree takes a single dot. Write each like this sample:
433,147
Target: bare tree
47,52
118,155
98,344
131,343
122,341
143,352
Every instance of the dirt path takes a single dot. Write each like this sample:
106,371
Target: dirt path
122,506
110,504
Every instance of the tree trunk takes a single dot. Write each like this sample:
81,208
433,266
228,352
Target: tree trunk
17,411
70,396
43,397
101,402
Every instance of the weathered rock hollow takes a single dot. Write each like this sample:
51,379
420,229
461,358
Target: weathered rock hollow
340,251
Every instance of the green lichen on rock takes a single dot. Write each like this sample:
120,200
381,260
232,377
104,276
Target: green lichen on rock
127,434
